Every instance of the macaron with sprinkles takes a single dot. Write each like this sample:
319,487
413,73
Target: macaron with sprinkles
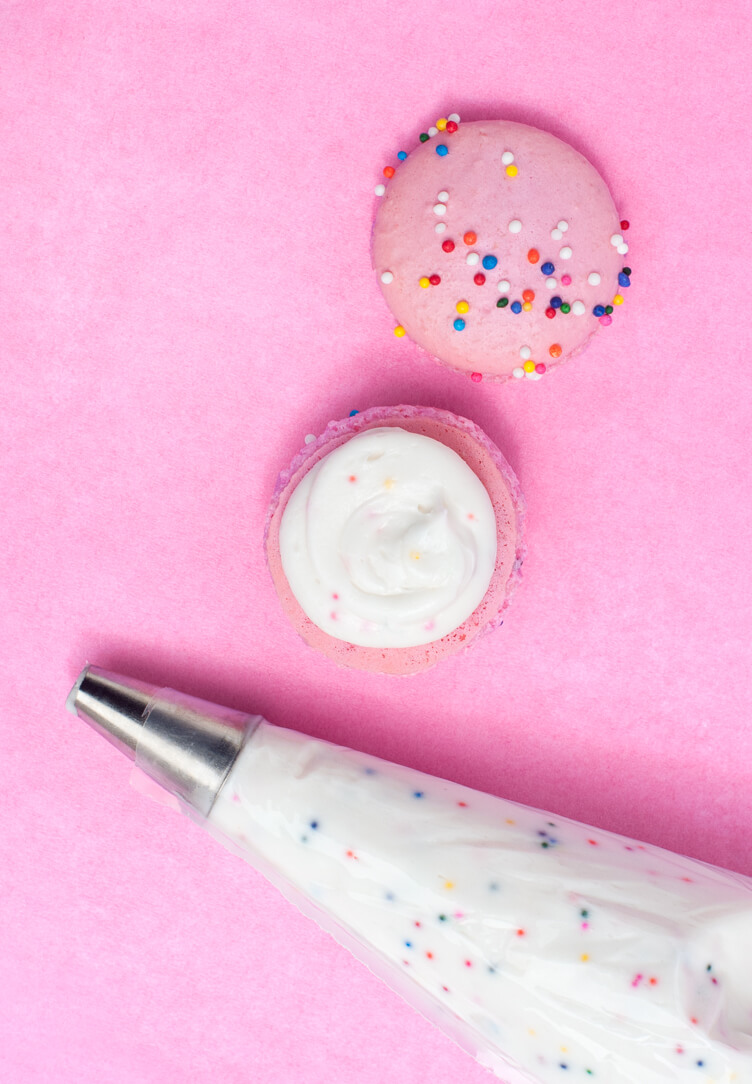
523,214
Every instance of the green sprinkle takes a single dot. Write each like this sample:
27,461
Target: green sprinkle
626,271
609,309
566,308
502,303
424,137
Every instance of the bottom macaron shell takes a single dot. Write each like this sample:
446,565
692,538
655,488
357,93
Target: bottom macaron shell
485,459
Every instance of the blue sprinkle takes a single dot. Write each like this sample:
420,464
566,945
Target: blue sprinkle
489,262
562,1065
516,306
408,944
547,268
556,302
542,833
418,794
389,896
624,279
459,324
442,149
598,310
353,413
491,970
370,771
701,1063
314,825
402,155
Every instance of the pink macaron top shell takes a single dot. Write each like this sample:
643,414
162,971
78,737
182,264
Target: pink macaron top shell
485,459
553,183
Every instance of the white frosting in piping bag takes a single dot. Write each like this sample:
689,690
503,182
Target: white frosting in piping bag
550,950
389,541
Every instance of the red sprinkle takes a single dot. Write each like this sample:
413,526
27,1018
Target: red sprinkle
540,368
434,280
462,804
468,963
550,313
479,279
388,171
429,955
520,933
451,126
352,478
448,245
476,377
624,224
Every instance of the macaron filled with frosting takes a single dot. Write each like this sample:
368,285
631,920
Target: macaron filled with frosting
498,248
395,538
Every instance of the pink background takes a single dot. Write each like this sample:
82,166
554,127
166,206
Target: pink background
185,292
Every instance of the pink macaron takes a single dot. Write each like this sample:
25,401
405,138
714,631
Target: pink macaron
362,540
498,249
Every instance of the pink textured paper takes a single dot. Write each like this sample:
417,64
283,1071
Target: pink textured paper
185,292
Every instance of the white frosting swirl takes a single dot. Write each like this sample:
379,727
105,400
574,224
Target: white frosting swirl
389,541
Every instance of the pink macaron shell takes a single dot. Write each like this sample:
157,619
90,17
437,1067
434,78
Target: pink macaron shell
485,459
554,182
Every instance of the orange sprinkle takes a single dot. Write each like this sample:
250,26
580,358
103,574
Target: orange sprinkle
388,171
352,478
520,933
528,295
653,982
533,255
470,237
555,350
429,955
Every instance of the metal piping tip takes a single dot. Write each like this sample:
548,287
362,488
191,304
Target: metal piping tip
185,744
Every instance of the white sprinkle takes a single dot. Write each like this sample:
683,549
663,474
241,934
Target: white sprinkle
616,239
473,258
565,253
534,376
578,308
455,117
525,352
310,437
443,197
518,373
507,158
504,286
623,248
440,227
551,283
387,277
515,225
439,208
380,189
563,226
557,234
433,131
594,279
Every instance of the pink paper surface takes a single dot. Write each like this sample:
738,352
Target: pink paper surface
185,292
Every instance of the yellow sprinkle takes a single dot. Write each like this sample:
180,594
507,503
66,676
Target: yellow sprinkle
415,555
399,331
618,300
563,1049
529,366
388,483
527,306
441,123
512,170
462,306
584,957
425,283
510,821
448,885
531,1031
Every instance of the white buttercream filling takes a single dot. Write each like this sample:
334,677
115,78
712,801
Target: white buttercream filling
389,540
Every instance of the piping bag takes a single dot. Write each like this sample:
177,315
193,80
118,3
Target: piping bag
549,950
